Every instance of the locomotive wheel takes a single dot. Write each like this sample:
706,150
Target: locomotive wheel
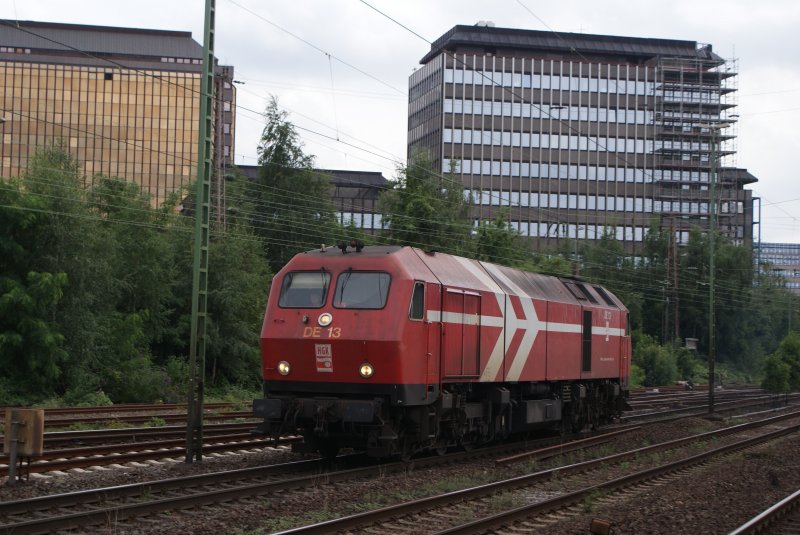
577,418
440,447
329,449
406,451
468,443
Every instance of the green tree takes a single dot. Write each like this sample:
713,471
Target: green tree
426,210
495,241
42,260
134,316
657,302
238,284
293,211
605,262
555,265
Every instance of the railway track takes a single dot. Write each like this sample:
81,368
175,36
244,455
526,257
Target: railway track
724,407
63,439
780,519
98,506
123,407
153,450
535,517
573,485
690,398
61,421
314,480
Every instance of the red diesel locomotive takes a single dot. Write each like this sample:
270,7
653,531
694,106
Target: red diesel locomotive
393,350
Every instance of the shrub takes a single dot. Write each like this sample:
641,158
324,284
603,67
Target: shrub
78,398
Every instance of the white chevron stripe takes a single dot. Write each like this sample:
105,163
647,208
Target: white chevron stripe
510,323
531,326
495,361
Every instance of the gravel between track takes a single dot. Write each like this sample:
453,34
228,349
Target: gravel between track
712,500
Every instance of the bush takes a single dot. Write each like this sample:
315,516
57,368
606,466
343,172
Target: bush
138,381
657,361
637,376
11,395
177,380
156,421
782,368
77,398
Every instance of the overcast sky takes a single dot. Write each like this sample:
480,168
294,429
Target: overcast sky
348,80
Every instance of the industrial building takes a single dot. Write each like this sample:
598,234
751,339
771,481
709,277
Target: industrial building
577,136
125,102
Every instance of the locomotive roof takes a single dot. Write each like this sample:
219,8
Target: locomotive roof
368,250
456,271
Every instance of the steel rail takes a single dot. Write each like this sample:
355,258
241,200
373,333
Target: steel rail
124,407
764,521
488,523
133,434
102,515
415,506
67,459
141,418
700,410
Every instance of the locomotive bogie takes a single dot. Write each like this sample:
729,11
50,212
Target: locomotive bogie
393,351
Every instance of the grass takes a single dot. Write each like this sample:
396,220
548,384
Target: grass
590,501
91,426
155,421
503,501
314,516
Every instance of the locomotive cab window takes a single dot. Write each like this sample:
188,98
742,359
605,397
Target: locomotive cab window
417,309
361,289
304,289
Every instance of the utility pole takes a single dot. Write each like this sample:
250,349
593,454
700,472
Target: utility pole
675,289
202,214
712,227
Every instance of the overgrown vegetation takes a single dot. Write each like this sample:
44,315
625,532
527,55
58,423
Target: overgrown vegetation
95,285
94,298
782,368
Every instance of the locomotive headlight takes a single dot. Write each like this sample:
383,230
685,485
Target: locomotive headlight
366,370
325,319
284,368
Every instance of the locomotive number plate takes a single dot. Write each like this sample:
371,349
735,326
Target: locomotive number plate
324,358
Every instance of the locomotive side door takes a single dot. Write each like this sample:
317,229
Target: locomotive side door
433,302
586,342
461,333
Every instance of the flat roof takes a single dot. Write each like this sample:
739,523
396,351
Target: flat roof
98,40
337,177
462,36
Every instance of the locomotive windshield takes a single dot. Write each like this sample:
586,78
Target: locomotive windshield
304,289
361,289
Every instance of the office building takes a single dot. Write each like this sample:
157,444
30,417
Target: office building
578,135
782,260
124,101
354,195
